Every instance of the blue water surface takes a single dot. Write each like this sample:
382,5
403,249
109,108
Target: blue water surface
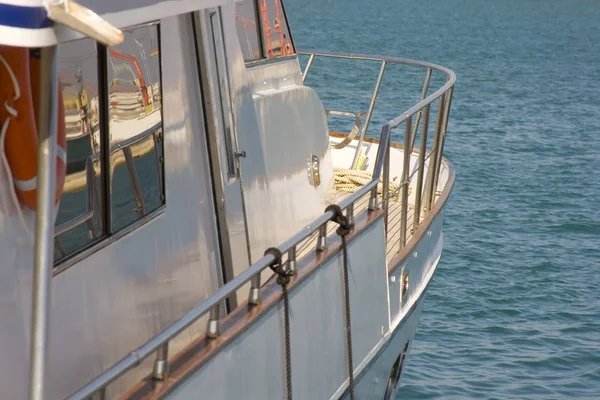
513,311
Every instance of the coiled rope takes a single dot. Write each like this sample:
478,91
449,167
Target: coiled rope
343,230
350,180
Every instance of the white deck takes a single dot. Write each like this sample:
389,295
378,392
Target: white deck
342,158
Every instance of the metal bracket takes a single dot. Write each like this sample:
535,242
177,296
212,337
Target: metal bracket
312,169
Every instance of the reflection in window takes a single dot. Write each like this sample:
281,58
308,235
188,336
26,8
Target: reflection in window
78,218
247,29
135,126
278,41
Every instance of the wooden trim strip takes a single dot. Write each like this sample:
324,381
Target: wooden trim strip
200,351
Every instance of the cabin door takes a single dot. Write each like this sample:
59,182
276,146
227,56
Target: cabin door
223,144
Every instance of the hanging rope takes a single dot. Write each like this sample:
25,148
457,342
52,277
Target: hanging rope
283,278
343,230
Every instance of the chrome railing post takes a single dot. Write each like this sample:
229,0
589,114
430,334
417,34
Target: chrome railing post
420,112
254,295
369,114
385,134
385,192
373,200
405,182
431,171
422,151
350,214
440,154
161,364
213,329
308,65
292,260
322,239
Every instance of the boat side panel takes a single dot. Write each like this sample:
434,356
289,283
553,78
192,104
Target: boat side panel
253,365
128,291
372,383
420,266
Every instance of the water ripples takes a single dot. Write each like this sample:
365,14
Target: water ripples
514,309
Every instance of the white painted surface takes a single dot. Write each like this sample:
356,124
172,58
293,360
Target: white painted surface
253,366
119,297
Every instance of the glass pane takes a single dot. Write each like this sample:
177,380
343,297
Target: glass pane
278,41
247,29
78,218
135,126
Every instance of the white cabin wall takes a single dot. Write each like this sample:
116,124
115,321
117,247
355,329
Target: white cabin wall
279,124
126,292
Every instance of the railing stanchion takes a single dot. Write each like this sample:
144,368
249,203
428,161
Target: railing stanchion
422,150
308,65
350,214
431,171
423,95
405,182
447,101
385,192
213,330
292,259
373,201
254,296
369,114
161,364
322,240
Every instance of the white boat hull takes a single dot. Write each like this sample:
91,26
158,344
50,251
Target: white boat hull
253,364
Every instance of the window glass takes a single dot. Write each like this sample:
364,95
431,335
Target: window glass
135,126
133,131
278,41
248,29
78,217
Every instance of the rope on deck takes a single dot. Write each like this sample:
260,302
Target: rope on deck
350,180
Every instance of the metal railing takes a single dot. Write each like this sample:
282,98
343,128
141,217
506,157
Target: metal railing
159,344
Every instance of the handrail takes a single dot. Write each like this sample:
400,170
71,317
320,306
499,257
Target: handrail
212,303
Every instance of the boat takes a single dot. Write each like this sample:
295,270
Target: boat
218,238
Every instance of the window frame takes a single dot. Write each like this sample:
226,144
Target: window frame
107,235
264,58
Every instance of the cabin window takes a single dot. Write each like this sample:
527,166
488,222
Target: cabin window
248,28
135,126
277,39
267,36
78,221
113,119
